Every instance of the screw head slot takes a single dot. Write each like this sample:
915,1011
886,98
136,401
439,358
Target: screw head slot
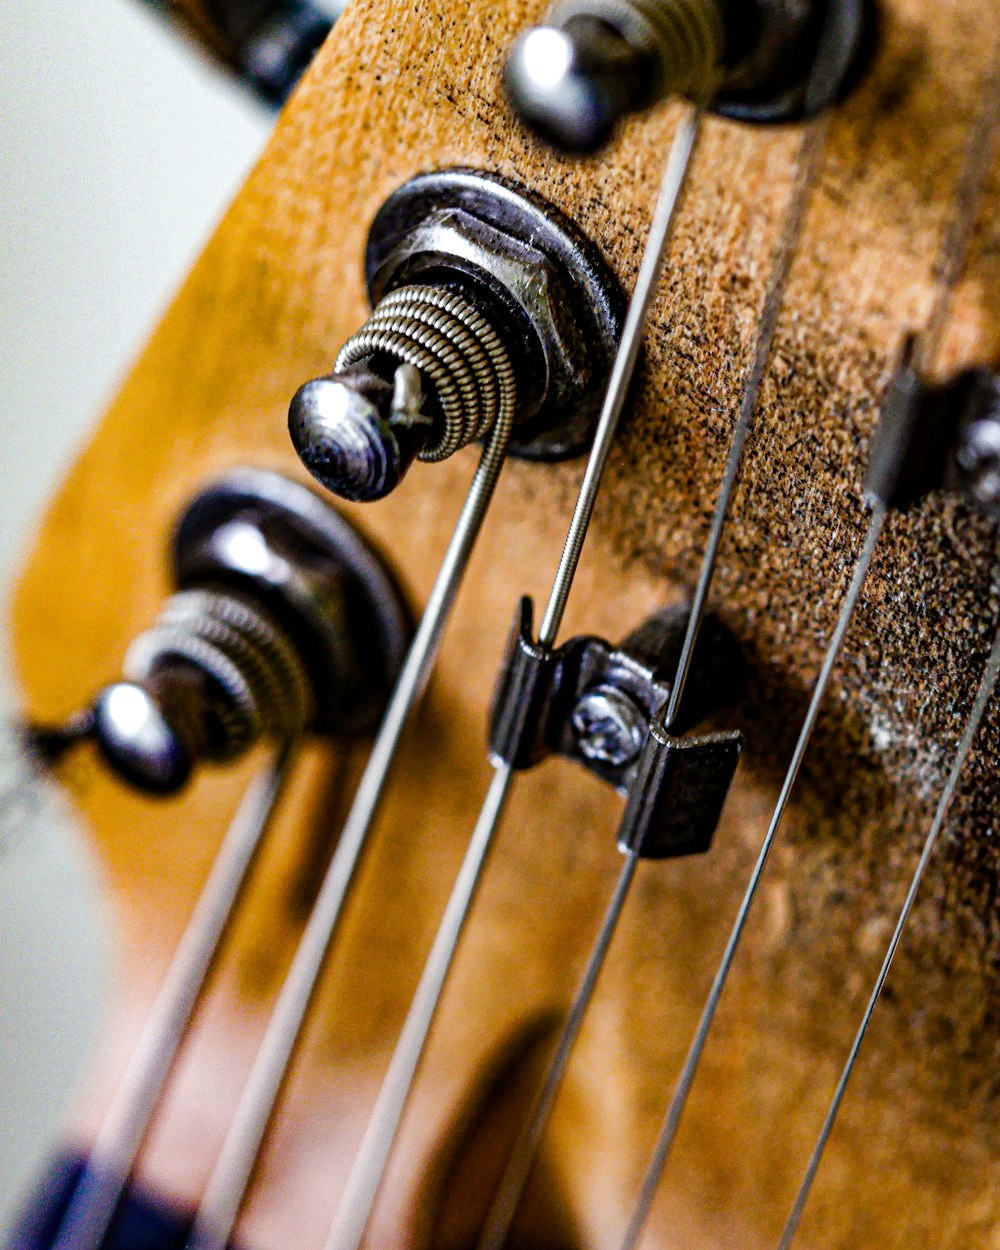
610,727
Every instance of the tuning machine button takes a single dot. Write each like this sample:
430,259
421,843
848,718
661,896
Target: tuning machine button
485,301
595,61
283,620
267,44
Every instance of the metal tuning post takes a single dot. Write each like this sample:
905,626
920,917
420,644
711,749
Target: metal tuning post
495,320
282,620
595,61
490,308
602,706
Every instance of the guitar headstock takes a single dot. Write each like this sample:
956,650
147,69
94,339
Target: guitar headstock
399,98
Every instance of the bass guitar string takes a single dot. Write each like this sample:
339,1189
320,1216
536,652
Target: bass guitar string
808,162
962,220
365,1177
113,1156
518,1169
230,1179
504,1207
366,1174
954,252
983,697
948,271
668,1132
654,253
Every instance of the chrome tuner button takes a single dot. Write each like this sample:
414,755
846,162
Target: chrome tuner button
277,49
137,741
572,84
489,308
283,621
352,437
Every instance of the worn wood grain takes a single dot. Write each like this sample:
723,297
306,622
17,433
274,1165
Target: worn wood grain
405,87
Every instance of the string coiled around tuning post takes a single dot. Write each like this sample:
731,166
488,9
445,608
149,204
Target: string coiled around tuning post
454,348
256,675
684,39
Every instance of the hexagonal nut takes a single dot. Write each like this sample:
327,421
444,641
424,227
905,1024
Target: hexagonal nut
530,278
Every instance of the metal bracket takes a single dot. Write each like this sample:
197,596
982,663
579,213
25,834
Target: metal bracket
600,705
944,437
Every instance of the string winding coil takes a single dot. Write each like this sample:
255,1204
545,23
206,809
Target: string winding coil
256,680
456,351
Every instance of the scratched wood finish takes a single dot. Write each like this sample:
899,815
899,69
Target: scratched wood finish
406,87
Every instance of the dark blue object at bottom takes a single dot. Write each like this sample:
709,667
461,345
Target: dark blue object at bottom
142,1222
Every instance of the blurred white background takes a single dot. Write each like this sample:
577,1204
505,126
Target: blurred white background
119,149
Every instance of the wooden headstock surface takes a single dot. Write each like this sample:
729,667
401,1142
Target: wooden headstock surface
405,87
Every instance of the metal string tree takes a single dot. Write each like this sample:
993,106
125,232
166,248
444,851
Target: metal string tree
597,704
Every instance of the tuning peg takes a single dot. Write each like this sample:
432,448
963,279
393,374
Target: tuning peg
356,433
283,620
489,307
572,83
575,78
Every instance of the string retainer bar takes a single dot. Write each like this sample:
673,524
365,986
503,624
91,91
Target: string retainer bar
937,436
602,705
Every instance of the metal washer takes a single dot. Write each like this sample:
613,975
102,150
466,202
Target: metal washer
597,298
378,625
